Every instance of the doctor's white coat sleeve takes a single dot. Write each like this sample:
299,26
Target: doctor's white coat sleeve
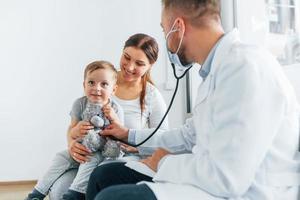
246,108
178,140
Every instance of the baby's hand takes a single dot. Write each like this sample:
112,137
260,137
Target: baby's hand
81,129
110,114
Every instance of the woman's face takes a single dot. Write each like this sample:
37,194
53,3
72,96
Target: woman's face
134,64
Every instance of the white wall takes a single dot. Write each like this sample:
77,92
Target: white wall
44,47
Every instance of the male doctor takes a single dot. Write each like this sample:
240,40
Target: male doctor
242,141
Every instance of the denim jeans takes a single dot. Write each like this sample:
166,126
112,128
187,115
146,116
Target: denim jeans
127,192
64,162
112,174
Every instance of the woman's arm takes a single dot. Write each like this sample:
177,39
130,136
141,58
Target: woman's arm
157,110
76,130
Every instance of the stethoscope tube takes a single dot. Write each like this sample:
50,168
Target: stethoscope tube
165,115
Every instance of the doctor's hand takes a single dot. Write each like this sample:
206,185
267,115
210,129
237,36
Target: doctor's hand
153,160
116,130
129,149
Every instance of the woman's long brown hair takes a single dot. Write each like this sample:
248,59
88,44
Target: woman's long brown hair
150,47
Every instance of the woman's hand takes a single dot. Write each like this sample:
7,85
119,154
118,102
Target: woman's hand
81,129
78,152
110,114
116,130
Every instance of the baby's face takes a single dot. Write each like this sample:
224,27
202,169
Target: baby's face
99,85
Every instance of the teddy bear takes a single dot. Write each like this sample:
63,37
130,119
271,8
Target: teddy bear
93,140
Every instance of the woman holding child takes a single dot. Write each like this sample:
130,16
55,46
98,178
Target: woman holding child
141,101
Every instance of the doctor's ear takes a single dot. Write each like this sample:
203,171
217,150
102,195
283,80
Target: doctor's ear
180,24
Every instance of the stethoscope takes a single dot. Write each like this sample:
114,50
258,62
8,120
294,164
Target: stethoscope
169,107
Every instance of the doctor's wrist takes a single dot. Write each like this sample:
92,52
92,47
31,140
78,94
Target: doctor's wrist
161,162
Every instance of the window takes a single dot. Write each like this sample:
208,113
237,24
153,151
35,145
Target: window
273,23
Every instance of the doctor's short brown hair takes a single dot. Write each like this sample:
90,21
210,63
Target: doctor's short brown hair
195,11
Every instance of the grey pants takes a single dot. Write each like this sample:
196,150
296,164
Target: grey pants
62,184
62,163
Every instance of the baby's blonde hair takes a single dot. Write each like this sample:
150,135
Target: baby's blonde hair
101,64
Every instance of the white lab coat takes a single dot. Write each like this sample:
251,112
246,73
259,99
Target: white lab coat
242,140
